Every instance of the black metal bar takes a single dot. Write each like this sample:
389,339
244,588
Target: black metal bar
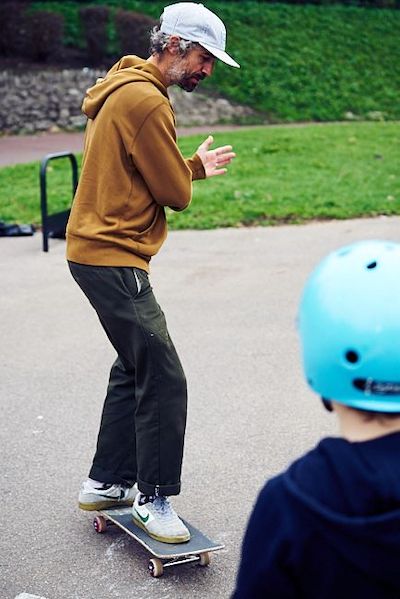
54,223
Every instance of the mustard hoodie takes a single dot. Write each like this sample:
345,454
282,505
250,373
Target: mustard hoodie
131,169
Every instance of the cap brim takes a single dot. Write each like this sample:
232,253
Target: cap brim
221,55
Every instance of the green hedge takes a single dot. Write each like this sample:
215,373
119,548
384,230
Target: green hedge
363,3
299,63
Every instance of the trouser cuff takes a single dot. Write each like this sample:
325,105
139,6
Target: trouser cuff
106,476
151,489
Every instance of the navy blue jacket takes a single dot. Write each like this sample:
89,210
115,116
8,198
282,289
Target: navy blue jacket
328,527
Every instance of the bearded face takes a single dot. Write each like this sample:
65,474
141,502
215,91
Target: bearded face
187,71
189,81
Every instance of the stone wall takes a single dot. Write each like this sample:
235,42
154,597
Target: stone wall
35,101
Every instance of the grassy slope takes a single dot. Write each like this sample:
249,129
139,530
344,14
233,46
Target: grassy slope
298,62
284,174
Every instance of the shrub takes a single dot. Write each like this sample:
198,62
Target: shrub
94,20
44,36
13,26
133,32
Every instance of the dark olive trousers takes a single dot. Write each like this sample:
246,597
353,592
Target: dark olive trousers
143,423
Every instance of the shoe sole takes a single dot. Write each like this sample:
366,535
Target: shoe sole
104,505
171,540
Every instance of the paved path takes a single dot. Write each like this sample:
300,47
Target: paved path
231,299
16,149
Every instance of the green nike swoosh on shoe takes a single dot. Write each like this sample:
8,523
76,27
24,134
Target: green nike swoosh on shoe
144,520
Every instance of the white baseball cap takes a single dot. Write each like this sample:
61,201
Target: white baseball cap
194,22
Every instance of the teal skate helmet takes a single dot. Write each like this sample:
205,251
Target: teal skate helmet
349,325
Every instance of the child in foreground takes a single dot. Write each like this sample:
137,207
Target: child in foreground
329,526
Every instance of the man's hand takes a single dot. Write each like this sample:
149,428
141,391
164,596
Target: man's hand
214,161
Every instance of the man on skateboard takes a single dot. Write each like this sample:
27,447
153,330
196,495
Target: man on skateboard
132,169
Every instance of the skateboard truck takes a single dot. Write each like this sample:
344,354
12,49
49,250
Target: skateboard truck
156,565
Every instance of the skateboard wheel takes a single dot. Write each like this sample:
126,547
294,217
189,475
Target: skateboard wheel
100,524
155,568
204,559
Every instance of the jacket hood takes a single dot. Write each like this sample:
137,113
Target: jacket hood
351,493
129,69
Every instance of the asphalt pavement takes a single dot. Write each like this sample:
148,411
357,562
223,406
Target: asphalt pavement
18,149
230,297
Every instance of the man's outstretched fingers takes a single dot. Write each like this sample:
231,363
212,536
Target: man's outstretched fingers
213,160
207,143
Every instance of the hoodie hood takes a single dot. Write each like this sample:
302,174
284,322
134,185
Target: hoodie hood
350,493
129,69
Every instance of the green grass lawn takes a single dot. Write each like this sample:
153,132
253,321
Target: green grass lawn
281,174
298,63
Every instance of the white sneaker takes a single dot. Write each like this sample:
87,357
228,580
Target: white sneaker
157,517
107,496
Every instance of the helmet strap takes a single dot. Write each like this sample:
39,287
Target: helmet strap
327,404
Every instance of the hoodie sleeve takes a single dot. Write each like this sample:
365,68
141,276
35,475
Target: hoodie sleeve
264,570
157,157
196,166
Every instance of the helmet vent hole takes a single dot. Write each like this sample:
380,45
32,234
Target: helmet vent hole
352,356
372,265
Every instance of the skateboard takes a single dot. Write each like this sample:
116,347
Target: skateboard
165,555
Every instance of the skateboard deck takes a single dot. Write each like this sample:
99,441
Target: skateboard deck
165,555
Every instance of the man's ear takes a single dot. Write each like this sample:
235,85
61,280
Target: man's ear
173,44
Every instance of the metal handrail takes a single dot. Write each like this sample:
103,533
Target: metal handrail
54,224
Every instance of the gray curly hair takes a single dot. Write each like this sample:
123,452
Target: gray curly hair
159,41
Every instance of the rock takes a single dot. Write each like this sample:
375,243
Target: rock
57,98
376,115
350,116
78,121
42,125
